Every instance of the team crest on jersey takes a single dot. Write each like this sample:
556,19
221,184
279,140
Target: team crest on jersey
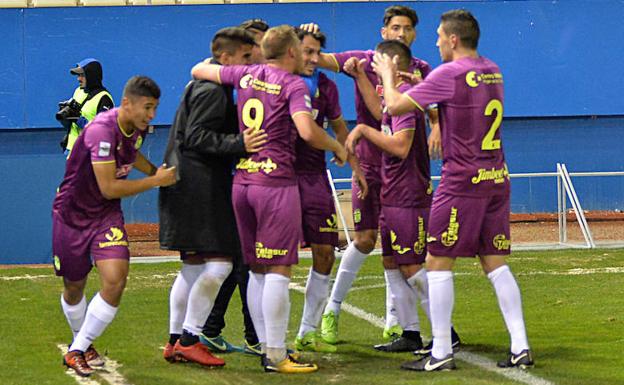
450,236
385,128
138,143
104,149
501,242
245,81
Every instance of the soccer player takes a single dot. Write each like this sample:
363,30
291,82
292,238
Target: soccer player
196,214
470,210
405,199
258,28
265,194
87,222
399,23
320,226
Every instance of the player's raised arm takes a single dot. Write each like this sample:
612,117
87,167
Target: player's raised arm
207,71
397,103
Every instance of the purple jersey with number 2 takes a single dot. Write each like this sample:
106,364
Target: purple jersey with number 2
469,93
268,98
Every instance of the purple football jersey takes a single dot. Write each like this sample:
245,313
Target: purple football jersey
469,93
267,98
325,104
366,151
406,182
79,200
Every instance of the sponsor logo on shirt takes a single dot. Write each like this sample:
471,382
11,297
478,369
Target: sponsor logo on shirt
419,245
267,166
473,80
332,224
266,253
501,242
115,238
449,237
104,149
496,175
258,85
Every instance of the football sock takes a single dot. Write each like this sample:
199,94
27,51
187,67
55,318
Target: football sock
99,315
188,339
317,290
442,297
203,293
178,298
75,314
391,316
419,282
173,338
350,264
255,289
276,311
404,300
510,303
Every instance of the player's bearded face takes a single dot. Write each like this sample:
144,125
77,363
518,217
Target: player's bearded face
399,28
311,49
444,45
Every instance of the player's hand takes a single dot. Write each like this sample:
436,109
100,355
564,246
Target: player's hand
165,176
435,142
354,67
340,156
254,140
358,177
410,78
384,65
352,139
310,27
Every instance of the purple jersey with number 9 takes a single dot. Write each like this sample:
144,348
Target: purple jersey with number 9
469,93
268,98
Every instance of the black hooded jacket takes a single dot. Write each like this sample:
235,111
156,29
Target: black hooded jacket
94,75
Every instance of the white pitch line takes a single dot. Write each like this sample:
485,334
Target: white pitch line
108,372
471,358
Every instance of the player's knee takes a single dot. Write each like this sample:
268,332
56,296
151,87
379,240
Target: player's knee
324,260
388,263
365,244
409,270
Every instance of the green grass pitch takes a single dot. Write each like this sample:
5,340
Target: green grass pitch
573,306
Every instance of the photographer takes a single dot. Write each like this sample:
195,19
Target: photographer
89,99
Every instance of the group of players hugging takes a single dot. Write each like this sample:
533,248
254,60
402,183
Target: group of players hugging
261,106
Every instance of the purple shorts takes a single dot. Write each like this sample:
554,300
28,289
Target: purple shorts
76,250
269,223
404,234
366,212
465,226
320,224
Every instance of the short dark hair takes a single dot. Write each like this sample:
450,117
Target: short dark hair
257,24
141,86
319,36
229,40
463,24
394,48
277,41
400,10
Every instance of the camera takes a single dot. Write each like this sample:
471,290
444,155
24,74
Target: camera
68,110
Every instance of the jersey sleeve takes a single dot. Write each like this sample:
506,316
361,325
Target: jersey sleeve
340,58
438,87
101,142
299,97
405,122
334,111
231,75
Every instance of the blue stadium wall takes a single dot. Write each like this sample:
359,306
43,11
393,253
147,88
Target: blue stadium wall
561,62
